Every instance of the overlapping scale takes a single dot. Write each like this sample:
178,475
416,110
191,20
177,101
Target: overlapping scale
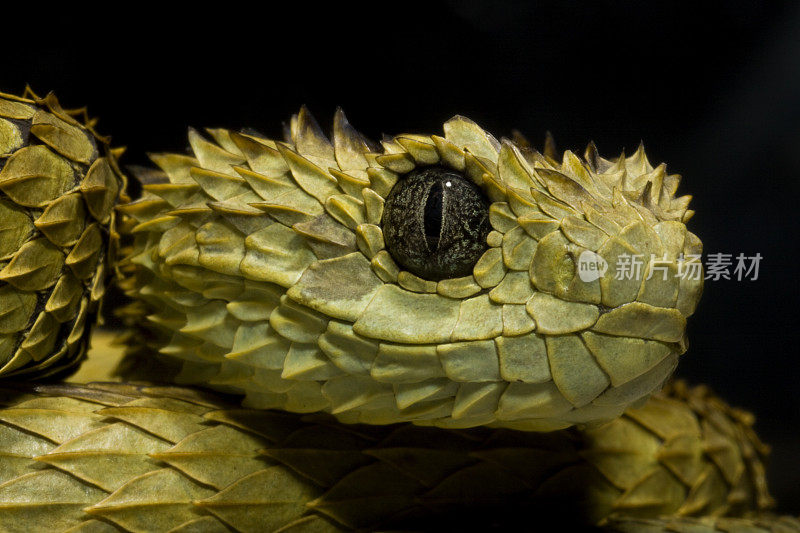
59,183
526,341
124,457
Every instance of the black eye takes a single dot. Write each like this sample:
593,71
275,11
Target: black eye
435,223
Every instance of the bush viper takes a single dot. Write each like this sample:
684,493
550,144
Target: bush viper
429,279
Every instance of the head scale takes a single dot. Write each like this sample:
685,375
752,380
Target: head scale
268,266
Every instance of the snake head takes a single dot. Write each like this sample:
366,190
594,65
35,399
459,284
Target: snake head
452,280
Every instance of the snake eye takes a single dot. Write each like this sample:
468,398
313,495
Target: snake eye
435,223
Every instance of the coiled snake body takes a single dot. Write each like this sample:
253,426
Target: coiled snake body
431,280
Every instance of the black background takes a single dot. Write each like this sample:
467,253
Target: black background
714,91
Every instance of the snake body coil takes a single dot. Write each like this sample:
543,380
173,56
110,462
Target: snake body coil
59,183
115,456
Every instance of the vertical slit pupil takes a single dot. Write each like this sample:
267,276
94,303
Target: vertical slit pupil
433,216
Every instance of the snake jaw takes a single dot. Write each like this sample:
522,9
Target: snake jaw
266,270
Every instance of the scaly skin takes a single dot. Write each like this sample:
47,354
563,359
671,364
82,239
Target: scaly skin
117,456
261,267
59,183
768,524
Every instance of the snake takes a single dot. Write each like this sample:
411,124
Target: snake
328,333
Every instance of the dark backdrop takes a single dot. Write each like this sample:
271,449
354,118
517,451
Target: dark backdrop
715,92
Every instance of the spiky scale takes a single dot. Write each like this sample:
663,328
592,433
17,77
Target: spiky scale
291,467
320,241
59,181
